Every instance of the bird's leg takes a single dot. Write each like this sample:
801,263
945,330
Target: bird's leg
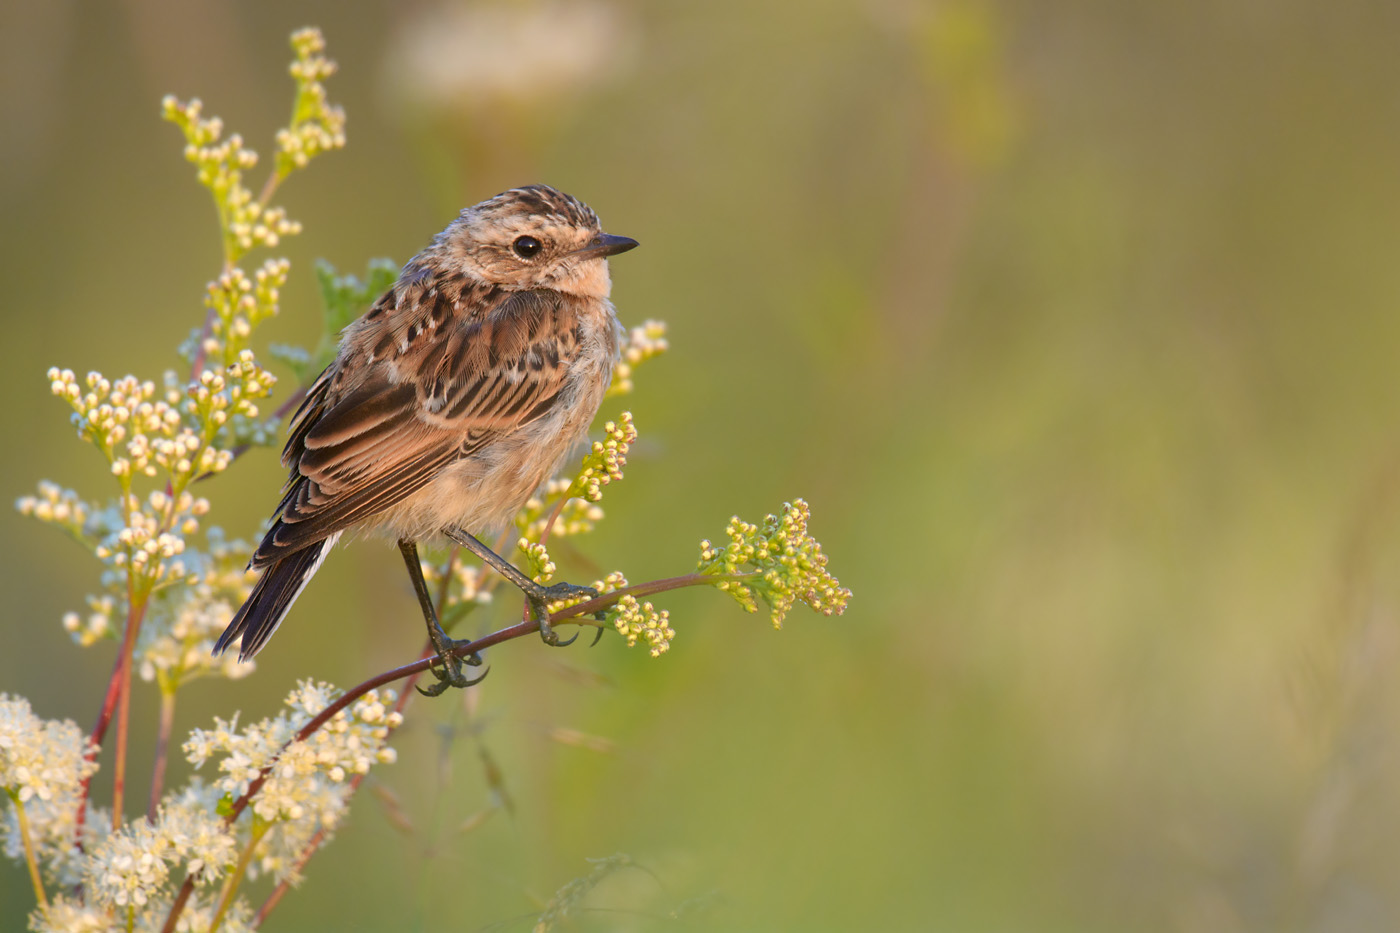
451,673
536,594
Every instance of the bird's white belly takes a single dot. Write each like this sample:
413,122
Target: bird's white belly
482,492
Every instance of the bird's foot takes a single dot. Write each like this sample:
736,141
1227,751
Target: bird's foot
450,674
547,594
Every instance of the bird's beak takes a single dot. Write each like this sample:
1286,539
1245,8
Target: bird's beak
604,244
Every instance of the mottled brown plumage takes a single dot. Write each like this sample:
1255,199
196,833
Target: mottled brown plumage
453,398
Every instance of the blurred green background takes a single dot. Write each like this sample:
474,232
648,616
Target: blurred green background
1075,322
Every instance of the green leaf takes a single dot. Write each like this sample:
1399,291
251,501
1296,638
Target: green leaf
343,299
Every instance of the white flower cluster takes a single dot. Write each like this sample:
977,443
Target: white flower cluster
96,626
69,915
136,864
183,648
306,785
39,758
145,545
43,764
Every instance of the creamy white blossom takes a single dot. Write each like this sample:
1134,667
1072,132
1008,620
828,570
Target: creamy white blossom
40,758
67,915
307,782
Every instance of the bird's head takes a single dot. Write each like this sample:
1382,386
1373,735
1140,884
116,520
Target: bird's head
534,237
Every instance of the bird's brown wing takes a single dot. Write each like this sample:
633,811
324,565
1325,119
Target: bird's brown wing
459,387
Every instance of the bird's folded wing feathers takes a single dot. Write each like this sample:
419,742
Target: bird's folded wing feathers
360,454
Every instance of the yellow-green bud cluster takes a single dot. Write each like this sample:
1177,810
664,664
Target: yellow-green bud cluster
604,462
316,126
541,567
638,345
787,563
612,582
240,304
641,621
219,166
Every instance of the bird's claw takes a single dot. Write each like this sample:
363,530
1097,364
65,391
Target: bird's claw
547,594
450,674
547,633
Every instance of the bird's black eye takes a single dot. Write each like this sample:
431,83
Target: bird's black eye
526,246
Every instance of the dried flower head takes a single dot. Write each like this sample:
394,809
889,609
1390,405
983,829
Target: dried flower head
568,898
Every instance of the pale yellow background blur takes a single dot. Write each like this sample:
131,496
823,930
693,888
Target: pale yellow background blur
1075,322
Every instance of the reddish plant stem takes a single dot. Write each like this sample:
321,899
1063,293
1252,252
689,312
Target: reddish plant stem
123,724
116,699
167,723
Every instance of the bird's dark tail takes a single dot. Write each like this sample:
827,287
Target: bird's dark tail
278,587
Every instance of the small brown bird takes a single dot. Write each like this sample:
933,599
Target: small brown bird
451,400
